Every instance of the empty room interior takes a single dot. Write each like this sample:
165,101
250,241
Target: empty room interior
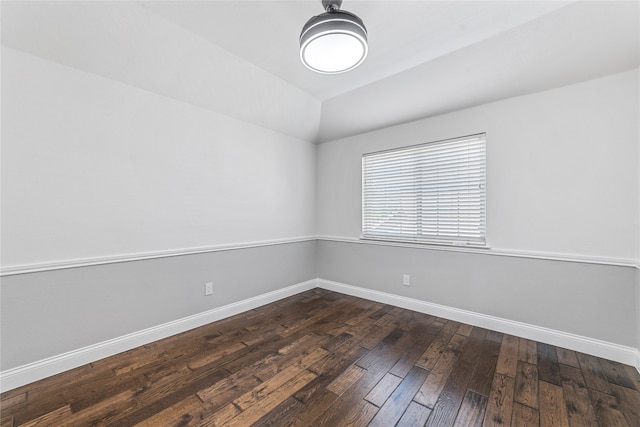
201,225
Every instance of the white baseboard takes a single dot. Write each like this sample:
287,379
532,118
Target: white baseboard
35,371
606,350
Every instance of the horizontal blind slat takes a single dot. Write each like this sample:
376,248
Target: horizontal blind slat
430,192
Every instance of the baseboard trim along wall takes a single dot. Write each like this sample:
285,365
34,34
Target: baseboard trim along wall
35,371
606,350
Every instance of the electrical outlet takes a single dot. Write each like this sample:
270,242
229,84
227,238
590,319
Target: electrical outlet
208,288
406,280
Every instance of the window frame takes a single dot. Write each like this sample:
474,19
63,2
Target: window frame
477,239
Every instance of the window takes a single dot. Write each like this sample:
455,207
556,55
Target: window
428,193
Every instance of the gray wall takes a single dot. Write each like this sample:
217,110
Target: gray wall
592,300
47,314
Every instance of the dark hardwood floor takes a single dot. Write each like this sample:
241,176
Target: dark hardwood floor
325,359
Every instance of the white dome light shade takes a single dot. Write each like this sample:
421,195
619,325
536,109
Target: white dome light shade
333,42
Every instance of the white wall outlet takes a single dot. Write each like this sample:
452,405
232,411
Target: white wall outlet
208,288
406,280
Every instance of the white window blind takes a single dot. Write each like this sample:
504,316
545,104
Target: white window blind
429,193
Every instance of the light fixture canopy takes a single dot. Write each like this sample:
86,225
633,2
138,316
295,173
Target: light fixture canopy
333,42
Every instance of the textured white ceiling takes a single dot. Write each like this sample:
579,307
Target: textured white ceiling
240,58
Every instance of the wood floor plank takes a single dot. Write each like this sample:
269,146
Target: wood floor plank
364,315
254,353
359,415
267,387
348,353
567,357
471,413
464,330
576,396
416,341
88,396
526,391
228,388
593,373
508,357
615,373
524,416
12,399
494,336
376,334
341,340
314,396
485,362
381,312
55,417
334,324
414,415
528,351
298,325
222,416
448,404
328,369
628,402
633,373
219,353
476,340
280,414
500,405
408,359
52,393
342,407
357,327
322,358
381,392
106,411
254,412
383,346
430,390
435,327
166,389
553,410
395,405
548,367
431,355
315,310
299,353
607,410
350,376
309,413
184,414
359,411
164,394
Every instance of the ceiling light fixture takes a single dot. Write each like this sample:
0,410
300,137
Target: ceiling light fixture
333,42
